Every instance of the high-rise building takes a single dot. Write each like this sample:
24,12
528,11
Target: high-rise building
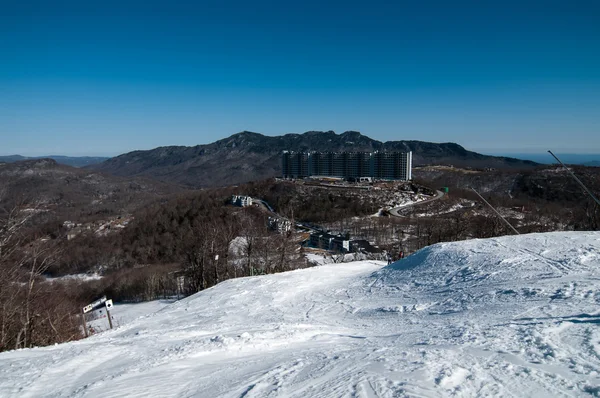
379,165
392,165
295,164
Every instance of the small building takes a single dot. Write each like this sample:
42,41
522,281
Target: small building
341,244
363,246
327,241
280,224
242,201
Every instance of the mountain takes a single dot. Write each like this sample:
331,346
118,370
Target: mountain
249,156
68,191
77,161
584,159
509,316
593,163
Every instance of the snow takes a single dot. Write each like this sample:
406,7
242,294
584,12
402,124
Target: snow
75,277
463,204
123,314
322,257
510,316
404,199
318,258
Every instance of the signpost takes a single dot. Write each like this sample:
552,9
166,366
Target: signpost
346,245
93,306
109,305
83,323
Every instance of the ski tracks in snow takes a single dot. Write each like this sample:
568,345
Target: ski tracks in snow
513,316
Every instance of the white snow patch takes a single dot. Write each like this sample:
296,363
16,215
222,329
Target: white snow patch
75,277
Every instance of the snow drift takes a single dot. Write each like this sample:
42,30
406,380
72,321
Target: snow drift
505,316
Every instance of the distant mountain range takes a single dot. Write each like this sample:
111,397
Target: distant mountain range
75,192
248,156
584,159
74,161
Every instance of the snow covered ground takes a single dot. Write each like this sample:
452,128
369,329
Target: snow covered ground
511,316
122,314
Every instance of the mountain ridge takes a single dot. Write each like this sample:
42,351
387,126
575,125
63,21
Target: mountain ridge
74,161
67,191
247,156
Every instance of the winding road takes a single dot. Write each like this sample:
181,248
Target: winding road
394,211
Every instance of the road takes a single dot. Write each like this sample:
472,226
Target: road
394,211
269,209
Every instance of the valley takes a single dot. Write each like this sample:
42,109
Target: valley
84,234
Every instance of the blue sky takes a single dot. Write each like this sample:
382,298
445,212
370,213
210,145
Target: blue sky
101,79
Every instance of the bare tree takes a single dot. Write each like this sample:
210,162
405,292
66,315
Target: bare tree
195,256
38,257
31,312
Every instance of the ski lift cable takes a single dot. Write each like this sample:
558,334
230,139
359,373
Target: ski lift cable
496,211
576,179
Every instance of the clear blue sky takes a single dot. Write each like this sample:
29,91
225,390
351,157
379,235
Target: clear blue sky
103,78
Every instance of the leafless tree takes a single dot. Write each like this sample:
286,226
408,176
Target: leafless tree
31,312
195,256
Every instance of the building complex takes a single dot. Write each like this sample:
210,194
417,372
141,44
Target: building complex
241,200
351,165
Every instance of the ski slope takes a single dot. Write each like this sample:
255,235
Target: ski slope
122,314
511,316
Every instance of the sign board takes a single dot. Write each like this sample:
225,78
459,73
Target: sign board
93,305
346,245
109,304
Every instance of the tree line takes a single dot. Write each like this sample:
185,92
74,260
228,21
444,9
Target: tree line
192,241
172,248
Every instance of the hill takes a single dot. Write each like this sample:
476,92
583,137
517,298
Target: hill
250,156
74,161
63,191
550,183
510,316
583,159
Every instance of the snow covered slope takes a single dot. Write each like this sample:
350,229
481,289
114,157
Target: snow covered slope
122,314
511,316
